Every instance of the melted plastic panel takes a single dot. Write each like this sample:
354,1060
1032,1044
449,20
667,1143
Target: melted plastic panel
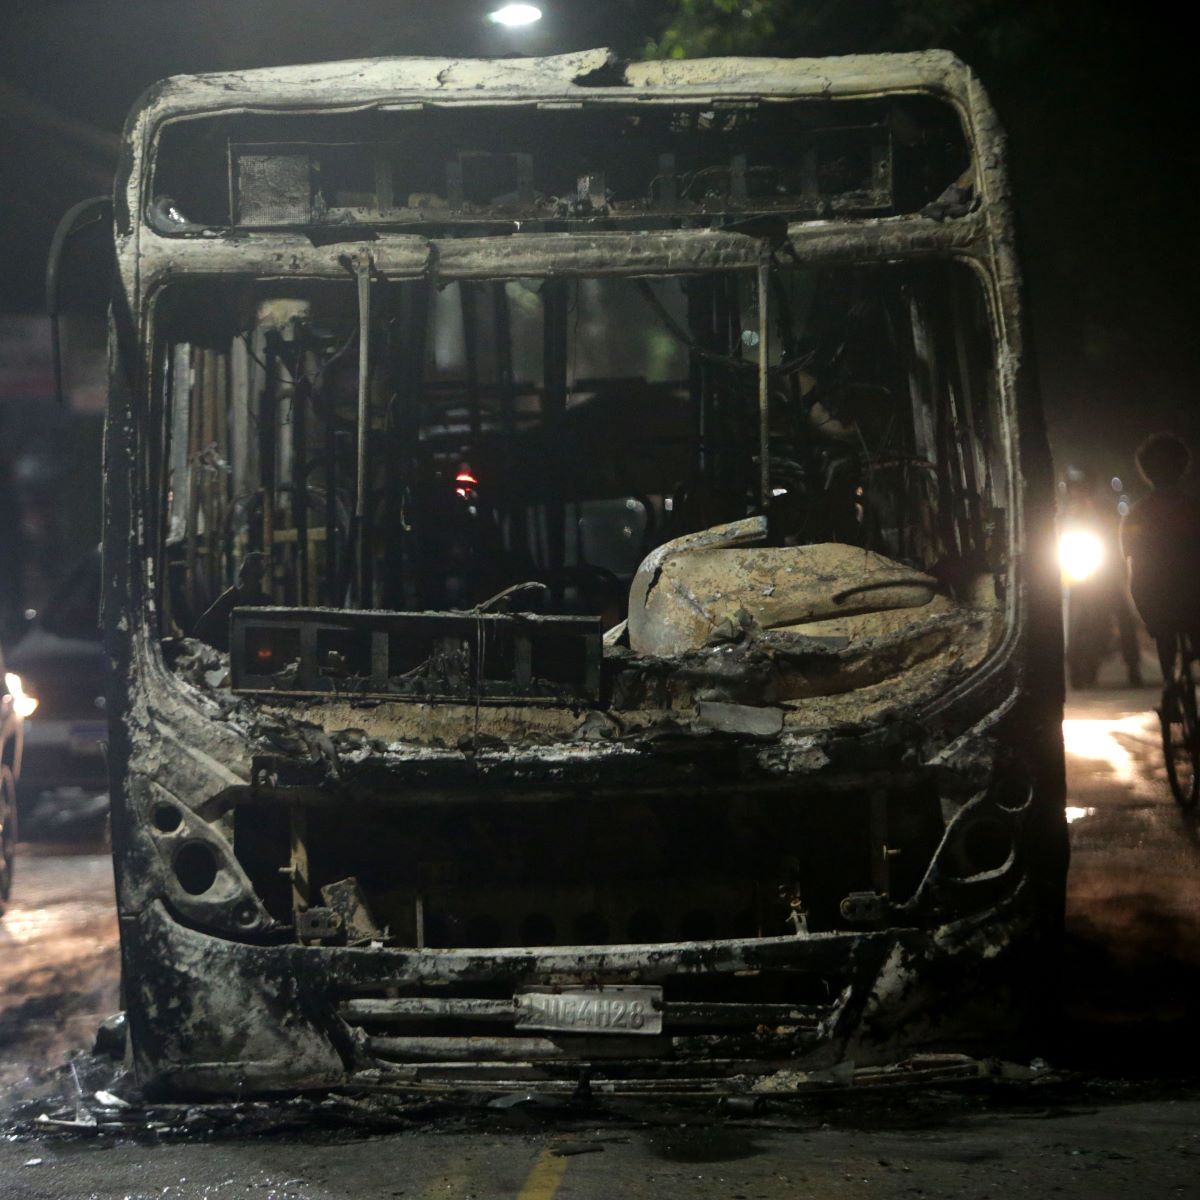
596,163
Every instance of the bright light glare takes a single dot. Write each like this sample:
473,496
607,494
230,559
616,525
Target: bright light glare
1080,554
1100,741
23,705
513,15
1075,813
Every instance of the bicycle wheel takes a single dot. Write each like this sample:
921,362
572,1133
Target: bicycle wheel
1181,738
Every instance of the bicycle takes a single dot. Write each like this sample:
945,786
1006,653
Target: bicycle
1180,727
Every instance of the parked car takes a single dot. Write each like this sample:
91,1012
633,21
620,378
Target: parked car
62,667
15,706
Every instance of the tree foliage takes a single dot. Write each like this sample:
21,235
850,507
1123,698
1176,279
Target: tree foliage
1000,30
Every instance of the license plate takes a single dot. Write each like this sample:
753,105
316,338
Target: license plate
592,1010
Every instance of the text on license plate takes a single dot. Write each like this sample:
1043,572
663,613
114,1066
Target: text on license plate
592,1010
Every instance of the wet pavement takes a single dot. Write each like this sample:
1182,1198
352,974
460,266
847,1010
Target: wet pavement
1091,1150
1123,1120
58,956
1132,969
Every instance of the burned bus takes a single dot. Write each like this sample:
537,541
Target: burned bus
577,573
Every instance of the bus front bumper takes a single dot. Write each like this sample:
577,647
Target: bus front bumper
214,1017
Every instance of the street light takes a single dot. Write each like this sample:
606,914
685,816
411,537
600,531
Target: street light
514,15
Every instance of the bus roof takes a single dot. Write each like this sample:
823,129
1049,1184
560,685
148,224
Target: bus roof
561,81
371,82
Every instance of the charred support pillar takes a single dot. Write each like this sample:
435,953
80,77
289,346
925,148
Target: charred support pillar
699,300
195,602
731,441
970,445
554,408
268,435
333,545
764,390
518,535
408,322
470,325
300,479
362,545
417,549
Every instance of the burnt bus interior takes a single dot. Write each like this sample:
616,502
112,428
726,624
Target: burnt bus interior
553,432
395,471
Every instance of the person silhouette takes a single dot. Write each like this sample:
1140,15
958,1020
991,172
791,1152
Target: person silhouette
1160,539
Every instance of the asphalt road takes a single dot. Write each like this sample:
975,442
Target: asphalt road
58,957
1147,1148
1132,970
1126,1123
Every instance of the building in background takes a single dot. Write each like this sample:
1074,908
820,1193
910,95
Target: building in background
49,458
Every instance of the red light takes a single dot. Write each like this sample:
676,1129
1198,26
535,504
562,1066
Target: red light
264,654
465,477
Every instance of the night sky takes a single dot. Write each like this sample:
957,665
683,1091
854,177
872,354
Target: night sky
1097,98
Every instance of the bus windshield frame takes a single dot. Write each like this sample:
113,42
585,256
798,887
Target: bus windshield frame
575,614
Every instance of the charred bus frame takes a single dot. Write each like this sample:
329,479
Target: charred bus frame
796,797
